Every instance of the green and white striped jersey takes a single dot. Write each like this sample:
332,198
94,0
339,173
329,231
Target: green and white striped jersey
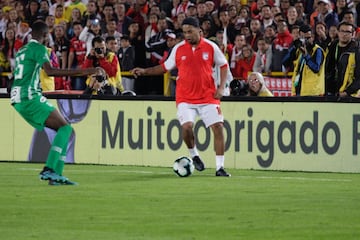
28,62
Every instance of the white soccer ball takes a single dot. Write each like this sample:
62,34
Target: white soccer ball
183,167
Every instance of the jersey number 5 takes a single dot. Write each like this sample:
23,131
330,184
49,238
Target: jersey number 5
19,67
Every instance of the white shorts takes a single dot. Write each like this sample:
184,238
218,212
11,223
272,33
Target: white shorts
208,113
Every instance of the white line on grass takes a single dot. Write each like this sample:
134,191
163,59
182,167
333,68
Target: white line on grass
171,173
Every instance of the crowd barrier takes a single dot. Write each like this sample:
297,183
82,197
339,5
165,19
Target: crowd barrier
278,83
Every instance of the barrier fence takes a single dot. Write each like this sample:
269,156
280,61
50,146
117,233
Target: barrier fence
278,83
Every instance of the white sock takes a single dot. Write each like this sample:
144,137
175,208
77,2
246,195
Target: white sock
219,161
193,152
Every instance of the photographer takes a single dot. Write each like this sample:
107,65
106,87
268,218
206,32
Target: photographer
100,57
255,86
99,85
308,78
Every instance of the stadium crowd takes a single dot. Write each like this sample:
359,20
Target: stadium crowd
313,39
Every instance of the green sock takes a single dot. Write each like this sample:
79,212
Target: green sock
58,146
59,168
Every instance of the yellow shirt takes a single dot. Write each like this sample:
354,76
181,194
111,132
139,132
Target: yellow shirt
78,4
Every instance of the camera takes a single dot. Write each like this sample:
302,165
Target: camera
98,50
299,43
239,88
100,78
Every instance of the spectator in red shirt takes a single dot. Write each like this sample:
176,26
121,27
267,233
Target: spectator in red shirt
245,63
280,46
77,54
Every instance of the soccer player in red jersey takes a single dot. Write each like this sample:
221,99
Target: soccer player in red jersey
196,93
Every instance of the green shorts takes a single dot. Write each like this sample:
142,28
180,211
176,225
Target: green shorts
35,111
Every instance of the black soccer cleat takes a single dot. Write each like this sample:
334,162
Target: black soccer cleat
222,173
199,165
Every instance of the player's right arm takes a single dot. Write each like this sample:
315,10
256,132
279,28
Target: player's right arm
51,71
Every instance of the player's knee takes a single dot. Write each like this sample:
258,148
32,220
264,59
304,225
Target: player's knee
66,129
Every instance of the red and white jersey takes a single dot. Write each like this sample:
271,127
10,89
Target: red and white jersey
195,82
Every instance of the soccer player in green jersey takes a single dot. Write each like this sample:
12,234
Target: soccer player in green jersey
27,99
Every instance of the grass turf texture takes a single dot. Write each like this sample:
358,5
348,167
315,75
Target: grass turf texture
125,202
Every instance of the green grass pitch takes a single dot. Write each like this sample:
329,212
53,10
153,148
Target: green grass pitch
127,202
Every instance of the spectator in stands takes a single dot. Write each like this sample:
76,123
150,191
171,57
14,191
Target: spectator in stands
137,41
31,12
14,18
292,18
156,45
75,18
326,14
349,17
24,32
321,35
111,31
178,22
308,78
4,67
90,31
263,57
126,55
226,26
256,8
99,56
267,18
257,86
342,76
54,5
107,14
207,28
3,22
233,14
77,54
91,12
74,4
20,9
284,6
181,7
224,46
240,41
245,63
302,16
191,10
275,10
112,45
101,5
243,18
333,34
10,46
341,8
256,33
210,7
280,46
270,33
59,15
61,46
123,21
44,9
202,15
295,32
139,12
